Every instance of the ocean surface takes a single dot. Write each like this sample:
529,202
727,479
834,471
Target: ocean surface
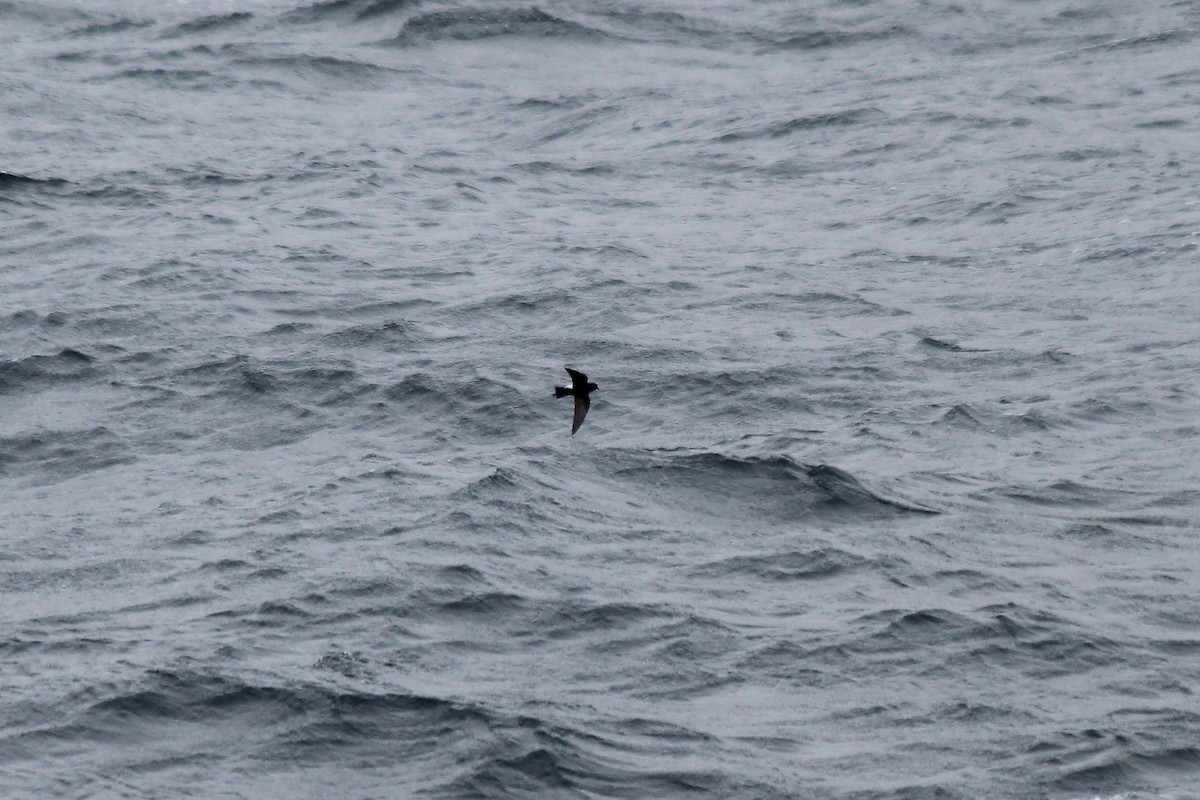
889,490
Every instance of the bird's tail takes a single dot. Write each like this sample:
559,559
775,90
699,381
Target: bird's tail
561,391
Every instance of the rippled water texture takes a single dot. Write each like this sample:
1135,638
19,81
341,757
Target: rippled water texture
888,491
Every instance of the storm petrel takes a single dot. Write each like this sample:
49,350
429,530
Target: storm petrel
580,388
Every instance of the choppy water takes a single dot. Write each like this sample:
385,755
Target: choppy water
889,489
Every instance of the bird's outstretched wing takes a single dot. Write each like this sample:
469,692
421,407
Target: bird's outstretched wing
582,404
578,381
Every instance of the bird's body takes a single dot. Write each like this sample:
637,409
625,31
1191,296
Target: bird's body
580,388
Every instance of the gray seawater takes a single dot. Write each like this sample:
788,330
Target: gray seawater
889,490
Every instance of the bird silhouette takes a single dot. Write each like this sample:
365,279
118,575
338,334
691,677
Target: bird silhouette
580,388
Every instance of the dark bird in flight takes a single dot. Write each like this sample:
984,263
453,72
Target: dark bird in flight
580,388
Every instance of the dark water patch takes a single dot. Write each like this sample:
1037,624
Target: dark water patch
923,627
483,604
1012,619
1092,759
1093,533
664,733
789,662
479,407
290,718
227,565
290,329
821,39
1148,40
276,612
1080,154
584,619
1146,520
560,103
970,121
157,402
607,254
330,385
548,761
1004,639
1036,655
281,517
12,181
999,212
357,588
119,195
321,11
506,490
942,345
831,119
1095,409
460,574
493,521
484,23
1060,494
973,713
308,67
350,665
1177,647
58,455
923,789
786,566
964,581
655,25
538,769
235,375
81,647
555,167
169,274
1170,122
270,615
213,22
962,415
776,486
576,123
373,9
1120,253
972,416
377,729
1172,759
90,573
247,405
16,320
376,312
845,490
390,336
197,537
109,27
826,303
178,78
1041,99
46,14
680,676
37,372
947,354
203,175
356,9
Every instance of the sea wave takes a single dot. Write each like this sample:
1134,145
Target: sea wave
778,485
485,23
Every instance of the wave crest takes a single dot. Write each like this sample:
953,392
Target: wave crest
486,23
777,485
